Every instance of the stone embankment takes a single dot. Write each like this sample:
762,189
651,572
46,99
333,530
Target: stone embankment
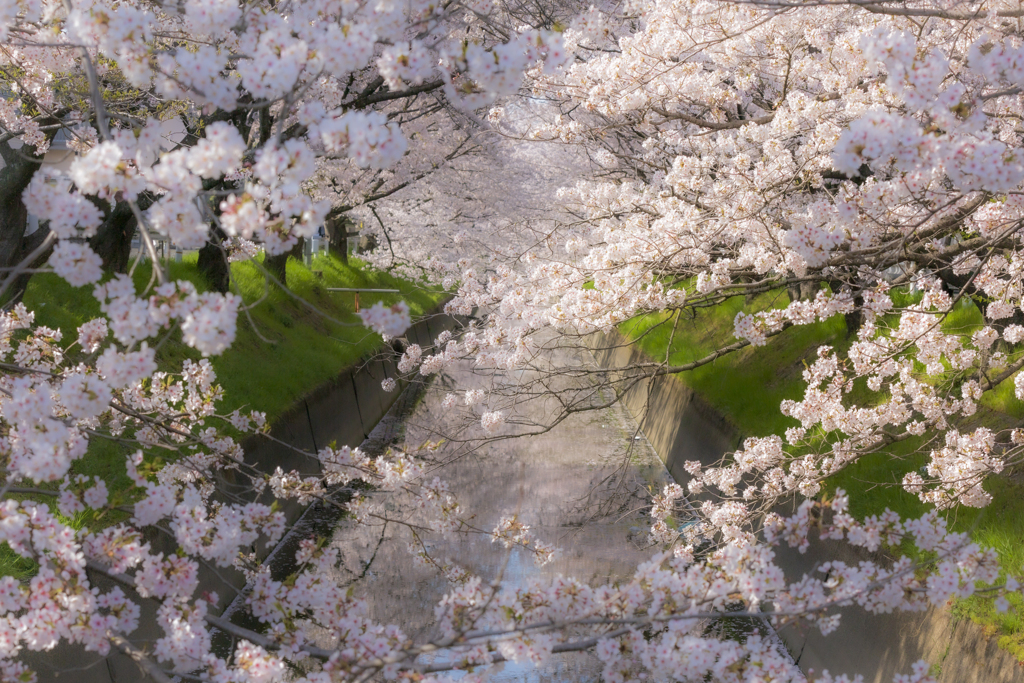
681,427
345,412
582,486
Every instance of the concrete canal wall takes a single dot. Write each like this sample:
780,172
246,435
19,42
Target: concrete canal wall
344,411
681,427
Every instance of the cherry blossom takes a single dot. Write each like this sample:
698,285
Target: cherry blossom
389,321
665,159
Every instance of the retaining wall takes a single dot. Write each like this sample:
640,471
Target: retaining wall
343,411
679,424
681,427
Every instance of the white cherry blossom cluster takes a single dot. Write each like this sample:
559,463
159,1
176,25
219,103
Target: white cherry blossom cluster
208,59
880,166
207,319
388,321
492,420
672,594
729,150
367,138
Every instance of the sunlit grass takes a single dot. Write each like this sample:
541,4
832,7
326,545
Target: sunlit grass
23,568
747,387
286,350
283,354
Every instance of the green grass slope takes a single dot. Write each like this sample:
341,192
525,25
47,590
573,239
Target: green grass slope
286,350
747,387
283,349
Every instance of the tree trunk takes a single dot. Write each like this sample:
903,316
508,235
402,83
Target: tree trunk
213,264
14,246
794,292
748,298
17,287
809,289
276,265
113,239
855,318
337,237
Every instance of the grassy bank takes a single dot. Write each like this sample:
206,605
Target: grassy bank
285,351
747,387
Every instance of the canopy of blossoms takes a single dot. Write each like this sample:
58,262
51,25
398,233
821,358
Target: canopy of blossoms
865,157
843,151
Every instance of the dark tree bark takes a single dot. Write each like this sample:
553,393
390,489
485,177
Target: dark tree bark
276,265
855,318
266,125
794,292
19,167
748,298
14,178
809,289
113,239
802,290
213,264
337,237
29,244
